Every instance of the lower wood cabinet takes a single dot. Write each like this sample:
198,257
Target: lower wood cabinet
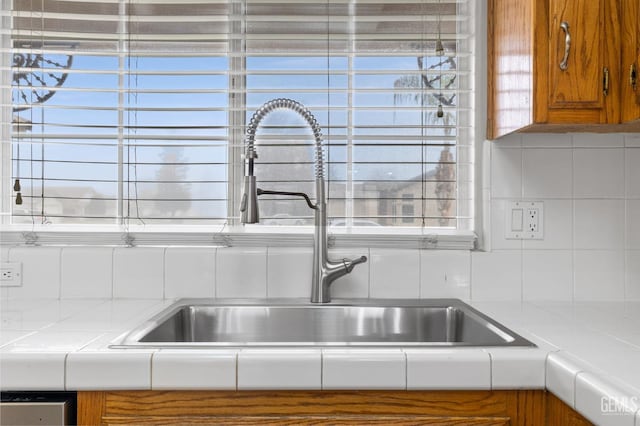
467,408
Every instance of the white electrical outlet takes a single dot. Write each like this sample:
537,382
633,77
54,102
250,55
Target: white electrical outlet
531,219
524,220
10,274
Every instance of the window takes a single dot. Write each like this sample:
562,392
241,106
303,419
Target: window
133,111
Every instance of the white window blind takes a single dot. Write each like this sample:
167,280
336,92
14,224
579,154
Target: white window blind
134,111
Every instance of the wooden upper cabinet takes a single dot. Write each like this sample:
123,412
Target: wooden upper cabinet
576,55
630,60
556,65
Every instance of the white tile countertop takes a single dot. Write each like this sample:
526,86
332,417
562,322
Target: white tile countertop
588,355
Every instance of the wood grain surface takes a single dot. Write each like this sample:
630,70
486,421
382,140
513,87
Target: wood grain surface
517,407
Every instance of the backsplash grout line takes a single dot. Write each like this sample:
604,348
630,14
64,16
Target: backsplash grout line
573,222
215,274
215,266
113,271
266,267
164,273
419,274
522,275
521,172
370,267
60,266
627,225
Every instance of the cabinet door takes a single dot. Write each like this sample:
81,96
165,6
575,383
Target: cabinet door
576,55
630,60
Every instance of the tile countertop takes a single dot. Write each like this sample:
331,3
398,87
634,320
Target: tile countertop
588,355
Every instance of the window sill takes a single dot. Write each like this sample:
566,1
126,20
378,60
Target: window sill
237,236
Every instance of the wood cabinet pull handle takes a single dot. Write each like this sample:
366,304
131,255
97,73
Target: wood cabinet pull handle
564,64
605,82
633,76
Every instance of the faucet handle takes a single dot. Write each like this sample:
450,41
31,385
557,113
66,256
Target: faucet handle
350,264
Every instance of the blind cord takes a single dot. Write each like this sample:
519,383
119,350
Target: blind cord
132,123
42,145
423,189
328,132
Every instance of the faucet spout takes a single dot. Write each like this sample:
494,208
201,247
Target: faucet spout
325,271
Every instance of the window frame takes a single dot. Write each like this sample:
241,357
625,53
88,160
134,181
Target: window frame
238,235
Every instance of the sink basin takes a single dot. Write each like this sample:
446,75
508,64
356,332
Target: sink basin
195,323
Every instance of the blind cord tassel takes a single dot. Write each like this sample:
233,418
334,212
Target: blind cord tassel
17,188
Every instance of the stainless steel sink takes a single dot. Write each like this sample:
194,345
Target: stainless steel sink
194,323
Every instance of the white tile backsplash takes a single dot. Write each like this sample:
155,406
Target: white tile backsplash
4,254
633,224
87,272
598,173
138,273
599,275
632,275
598,140
547,275
241,272
547,173
632,170
548,140
513,140
40,272
496,275
189,272
289,272
506,172
632,140
395,273
599,224
445,274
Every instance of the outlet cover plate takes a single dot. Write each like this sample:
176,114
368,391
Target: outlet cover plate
524,220
10,274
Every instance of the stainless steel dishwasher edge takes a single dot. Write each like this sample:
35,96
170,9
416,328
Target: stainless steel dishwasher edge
38,408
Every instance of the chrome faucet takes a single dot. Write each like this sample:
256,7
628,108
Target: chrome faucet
325,271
